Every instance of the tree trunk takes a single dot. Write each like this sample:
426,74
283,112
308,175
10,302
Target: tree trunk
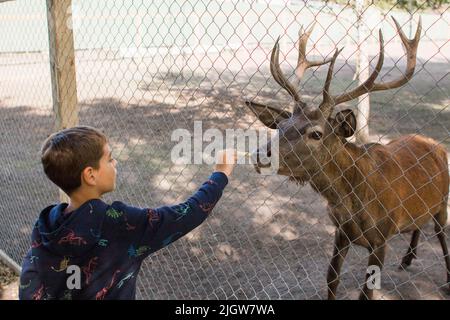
362,73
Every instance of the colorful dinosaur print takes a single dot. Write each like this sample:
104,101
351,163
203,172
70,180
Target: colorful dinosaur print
24,286
32,258
102,293
62,266
112,213
127,277
133,252
183,210
39,293
207,207
152,216
103,242
89,269
36,244
72,239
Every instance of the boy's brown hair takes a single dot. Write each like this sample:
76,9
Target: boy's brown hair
66,153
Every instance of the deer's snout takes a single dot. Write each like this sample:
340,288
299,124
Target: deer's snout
261,157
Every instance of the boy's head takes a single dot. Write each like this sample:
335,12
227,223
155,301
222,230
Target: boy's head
79,157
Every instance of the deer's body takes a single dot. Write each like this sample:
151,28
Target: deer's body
374,191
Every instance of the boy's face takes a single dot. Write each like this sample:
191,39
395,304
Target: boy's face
106,173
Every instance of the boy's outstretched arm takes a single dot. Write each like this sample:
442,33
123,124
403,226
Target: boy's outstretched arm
157,228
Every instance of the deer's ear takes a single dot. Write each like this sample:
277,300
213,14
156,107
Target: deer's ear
344,123
270,116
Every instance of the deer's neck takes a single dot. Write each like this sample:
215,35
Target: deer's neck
342,175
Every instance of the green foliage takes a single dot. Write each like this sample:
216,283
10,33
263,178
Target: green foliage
401,4
421,4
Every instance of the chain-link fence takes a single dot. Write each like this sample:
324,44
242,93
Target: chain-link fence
146,68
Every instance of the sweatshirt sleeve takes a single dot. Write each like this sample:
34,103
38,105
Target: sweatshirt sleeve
158,227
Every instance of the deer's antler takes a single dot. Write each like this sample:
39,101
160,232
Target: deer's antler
275,70
302,64
410,47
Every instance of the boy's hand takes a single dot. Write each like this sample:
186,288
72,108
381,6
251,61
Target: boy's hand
225,161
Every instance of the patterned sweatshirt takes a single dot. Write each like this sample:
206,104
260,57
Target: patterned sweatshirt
96,251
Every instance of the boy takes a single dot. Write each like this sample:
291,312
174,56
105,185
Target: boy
104,245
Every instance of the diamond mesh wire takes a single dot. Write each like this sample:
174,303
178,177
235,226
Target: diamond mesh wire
146,68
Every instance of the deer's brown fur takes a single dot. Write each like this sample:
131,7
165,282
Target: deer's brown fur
376,191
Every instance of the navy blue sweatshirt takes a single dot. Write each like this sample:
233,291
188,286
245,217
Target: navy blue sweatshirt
96,251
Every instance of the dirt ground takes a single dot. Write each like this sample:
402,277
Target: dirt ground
267,238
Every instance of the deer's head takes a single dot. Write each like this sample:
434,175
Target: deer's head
310,135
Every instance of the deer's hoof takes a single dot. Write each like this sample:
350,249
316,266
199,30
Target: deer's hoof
331,297
406,262
403,266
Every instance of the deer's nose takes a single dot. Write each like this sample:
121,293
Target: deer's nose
261,157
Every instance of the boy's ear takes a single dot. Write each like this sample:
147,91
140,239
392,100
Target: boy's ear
344,124
270,116
88,176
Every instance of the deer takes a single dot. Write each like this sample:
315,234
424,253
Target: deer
373,191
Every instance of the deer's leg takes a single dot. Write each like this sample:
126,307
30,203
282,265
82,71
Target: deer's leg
440,221
376,258
412,251
341,246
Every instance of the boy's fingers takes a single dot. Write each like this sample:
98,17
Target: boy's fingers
228,156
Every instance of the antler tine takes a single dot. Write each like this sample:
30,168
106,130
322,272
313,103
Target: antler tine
278,75
303,63
410,47
408,42
327,104
369,84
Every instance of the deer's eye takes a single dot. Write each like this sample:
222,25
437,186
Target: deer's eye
316,135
